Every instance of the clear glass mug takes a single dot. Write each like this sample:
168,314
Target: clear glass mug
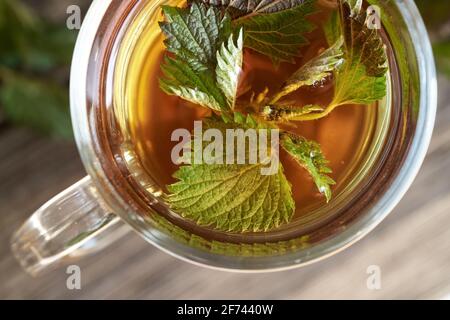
117,197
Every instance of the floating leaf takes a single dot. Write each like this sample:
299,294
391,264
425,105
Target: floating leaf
229,67
362,79
286,112
197,87
194,36
274,28
232,197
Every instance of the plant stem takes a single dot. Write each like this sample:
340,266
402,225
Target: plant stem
316,116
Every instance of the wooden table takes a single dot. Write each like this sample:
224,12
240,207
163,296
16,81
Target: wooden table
412,246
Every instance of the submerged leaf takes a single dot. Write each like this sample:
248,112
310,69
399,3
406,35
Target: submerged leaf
363,76
332,28
228,248
309,155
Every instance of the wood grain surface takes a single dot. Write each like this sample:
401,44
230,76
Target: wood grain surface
412,246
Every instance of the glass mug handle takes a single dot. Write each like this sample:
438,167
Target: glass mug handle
73,224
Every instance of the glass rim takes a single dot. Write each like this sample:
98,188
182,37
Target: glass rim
367,222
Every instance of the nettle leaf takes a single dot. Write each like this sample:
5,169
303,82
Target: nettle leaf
362,79
274,28
309,155
194,36
278,35
314,71
232,197
197,87
240,8
227,248
359,73
229,67
332,28
361,43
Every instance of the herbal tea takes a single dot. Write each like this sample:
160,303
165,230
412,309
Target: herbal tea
312,73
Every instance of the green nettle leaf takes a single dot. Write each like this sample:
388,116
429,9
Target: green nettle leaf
309,155
362,79
314,71
240,8
197,87
229,67
245,8
274,28
332,28
278,35
205,69
194,36
232,197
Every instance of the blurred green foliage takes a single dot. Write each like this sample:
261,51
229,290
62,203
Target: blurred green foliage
442,53
34,67
35,57
436,14
37,103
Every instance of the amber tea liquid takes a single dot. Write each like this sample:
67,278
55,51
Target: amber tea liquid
349,136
